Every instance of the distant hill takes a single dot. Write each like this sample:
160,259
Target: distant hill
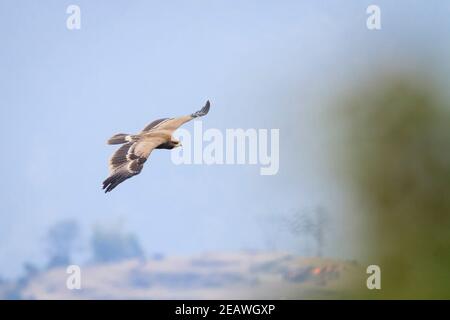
243,275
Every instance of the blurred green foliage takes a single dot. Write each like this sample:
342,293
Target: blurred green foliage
397,158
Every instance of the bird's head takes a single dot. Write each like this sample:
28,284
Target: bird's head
177,143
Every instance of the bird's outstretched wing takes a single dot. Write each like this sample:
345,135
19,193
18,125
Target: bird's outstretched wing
154,124
173,124
129,159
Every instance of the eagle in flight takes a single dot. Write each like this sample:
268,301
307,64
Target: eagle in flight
129,159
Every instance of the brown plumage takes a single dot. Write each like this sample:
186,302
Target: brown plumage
129,159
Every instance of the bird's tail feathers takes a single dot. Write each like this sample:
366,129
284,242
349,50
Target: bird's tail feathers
118,138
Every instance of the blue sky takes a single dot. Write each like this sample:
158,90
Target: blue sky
263,64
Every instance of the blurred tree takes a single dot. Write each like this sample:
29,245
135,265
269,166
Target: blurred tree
61,240
397,156
312,223
109,245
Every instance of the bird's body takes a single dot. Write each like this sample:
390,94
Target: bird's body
129,159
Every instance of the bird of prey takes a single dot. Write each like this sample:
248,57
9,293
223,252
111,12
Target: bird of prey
129,159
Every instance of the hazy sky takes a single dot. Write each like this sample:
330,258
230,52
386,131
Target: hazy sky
263,64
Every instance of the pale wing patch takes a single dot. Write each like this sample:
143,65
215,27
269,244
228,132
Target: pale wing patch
174,124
